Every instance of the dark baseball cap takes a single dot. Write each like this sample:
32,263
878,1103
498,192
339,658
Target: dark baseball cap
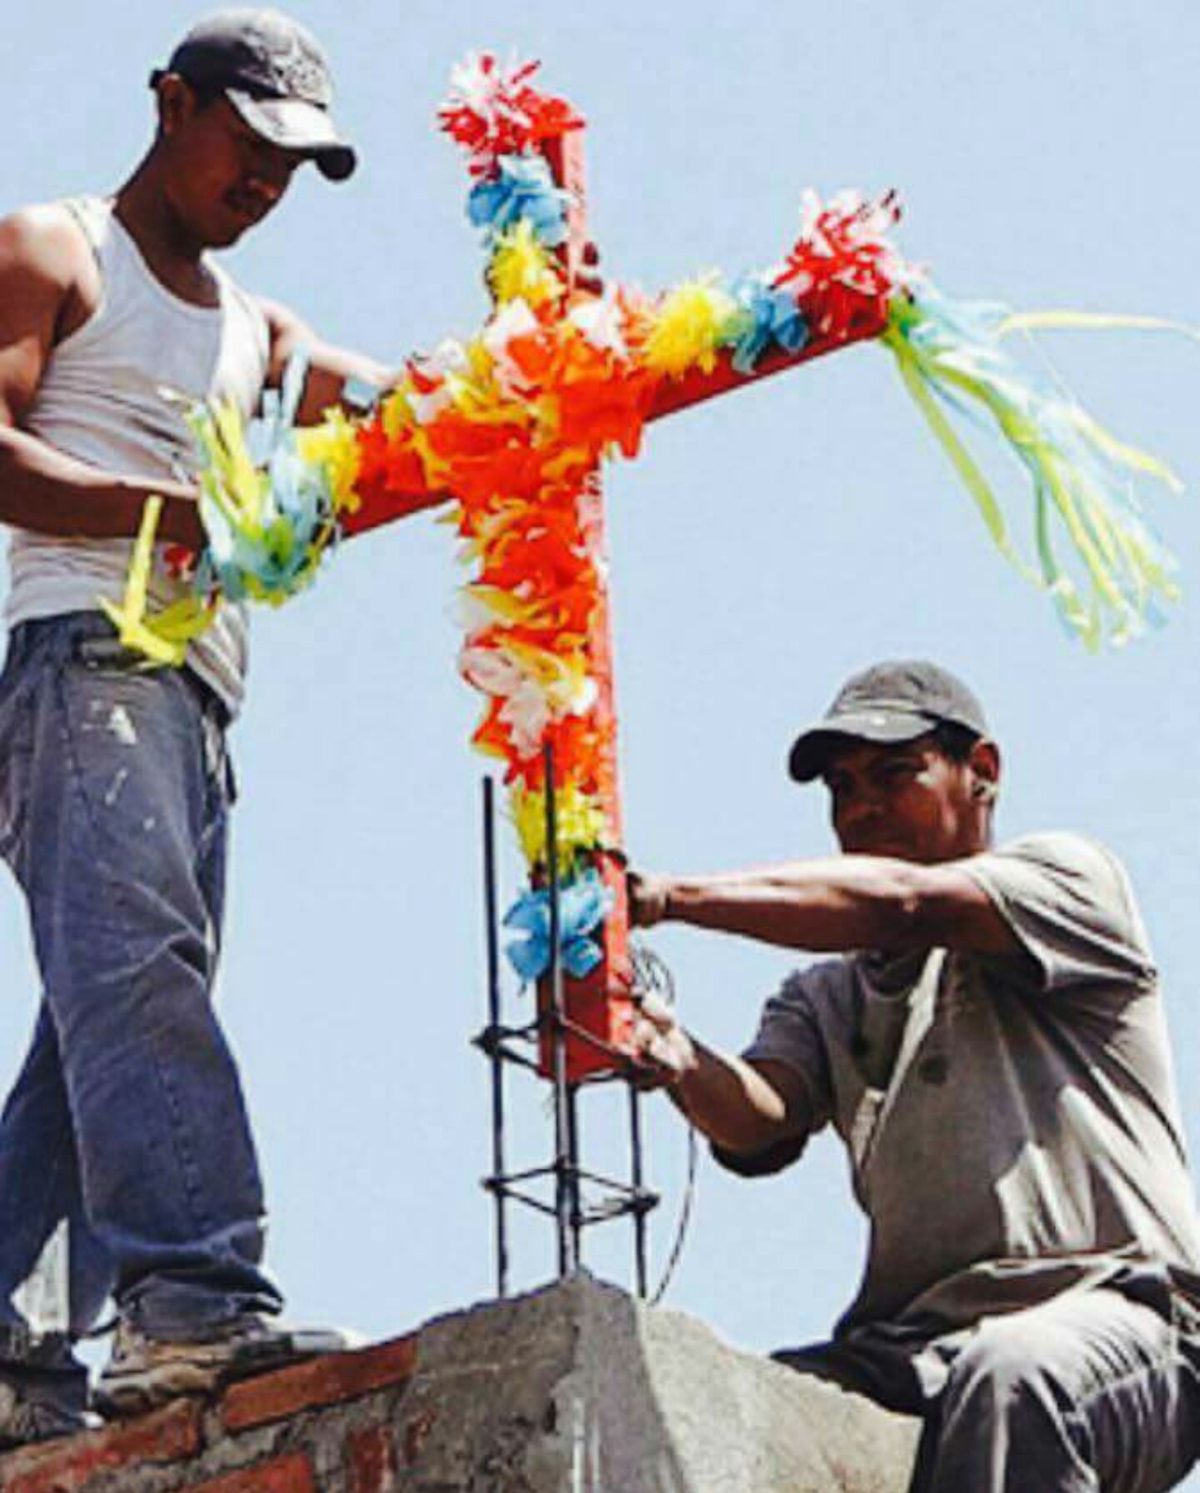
890,702
272,71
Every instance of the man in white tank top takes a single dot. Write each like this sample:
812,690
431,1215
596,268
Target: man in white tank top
127,1121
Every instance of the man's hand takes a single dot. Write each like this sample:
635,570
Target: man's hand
661,1047
649,897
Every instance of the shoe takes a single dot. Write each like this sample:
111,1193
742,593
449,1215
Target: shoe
25,1420
43,1387
144,1372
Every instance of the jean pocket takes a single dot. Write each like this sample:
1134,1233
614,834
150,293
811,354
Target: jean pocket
108,655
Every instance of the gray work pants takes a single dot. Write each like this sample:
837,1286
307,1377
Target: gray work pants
1093,1391
1090,1391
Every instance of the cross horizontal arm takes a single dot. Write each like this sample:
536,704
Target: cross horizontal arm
671,397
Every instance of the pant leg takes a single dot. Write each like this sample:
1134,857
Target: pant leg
123,821
1089,1393
36,1198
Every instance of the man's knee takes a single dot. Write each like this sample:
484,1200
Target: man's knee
1012,1367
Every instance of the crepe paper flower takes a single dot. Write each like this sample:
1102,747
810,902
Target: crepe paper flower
522,189
771,318
134,628
582,907
534,686
333,445
493,110
844,268
693,322
952,355
512,324
579,824
521,269
267,529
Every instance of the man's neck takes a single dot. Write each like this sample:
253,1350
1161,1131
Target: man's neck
174,256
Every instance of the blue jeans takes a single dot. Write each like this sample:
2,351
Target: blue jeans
127,1118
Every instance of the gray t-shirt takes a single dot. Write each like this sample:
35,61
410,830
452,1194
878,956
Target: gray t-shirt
1012,1120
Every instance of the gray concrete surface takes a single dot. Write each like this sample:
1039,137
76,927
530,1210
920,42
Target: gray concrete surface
579,1389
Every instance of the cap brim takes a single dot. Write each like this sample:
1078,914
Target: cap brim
295,124
810,751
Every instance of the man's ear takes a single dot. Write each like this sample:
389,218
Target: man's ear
176,102
984,767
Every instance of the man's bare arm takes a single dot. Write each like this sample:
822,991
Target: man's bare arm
745,1108
44,266
329,367
843,903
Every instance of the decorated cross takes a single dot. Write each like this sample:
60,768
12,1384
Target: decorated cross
511,427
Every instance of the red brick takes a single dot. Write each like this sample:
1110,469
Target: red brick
168,1435
321,1381
292,1474
416,1433
371,1460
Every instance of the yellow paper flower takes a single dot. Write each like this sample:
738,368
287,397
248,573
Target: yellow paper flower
521,269
692,323
579,823
162,638
333,445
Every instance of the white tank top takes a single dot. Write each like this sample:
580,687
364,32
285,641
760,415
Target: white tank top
99,401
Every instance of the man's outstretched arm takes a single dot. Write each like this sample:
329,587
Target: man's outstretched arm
838,904
44,290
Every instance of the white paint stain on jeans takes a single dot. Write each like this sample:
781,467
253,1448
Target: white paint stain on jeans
114,788
120,723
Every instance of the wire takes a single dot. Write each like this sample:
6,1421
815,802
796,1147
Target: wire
685,1218
652,975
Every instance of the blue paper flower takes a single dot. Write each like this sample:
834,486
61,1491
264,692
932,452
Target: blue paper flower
523,189
582,906
280,560
770,317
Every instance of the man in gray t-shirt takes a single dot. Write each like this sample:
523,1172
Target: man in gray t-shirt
997,1066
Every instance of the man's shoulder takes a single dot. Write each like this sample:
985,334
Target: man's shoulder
1061,850
43,240
1059,885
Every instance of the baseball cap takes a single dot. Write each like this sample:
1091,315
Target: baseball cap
890,702
272,71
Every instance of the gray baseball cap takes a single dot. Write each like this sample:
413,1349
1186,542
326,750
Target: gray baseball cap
272,71
890,702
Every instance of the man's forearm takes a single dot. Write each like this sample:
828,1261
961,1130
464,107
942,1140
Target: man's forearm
841,903
48,492
729,1101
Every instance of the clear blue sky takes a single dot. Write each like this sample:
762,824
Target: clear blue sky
761,549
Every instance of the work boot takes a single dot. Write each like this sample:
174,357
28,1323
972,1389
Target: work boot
24,1420
43,1387
144,1372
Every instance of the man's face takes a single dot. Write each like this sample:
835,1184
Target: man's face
223,178
909,801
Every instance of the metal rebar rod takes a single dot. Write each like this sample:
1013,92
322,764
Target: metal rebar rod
497,1055
574,1175
564,1189
635,1178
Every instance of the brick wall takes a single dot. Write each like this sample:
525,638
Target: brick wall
331,1424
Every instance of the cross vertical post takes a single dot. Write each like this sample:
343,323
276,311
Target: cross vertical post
598,1009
